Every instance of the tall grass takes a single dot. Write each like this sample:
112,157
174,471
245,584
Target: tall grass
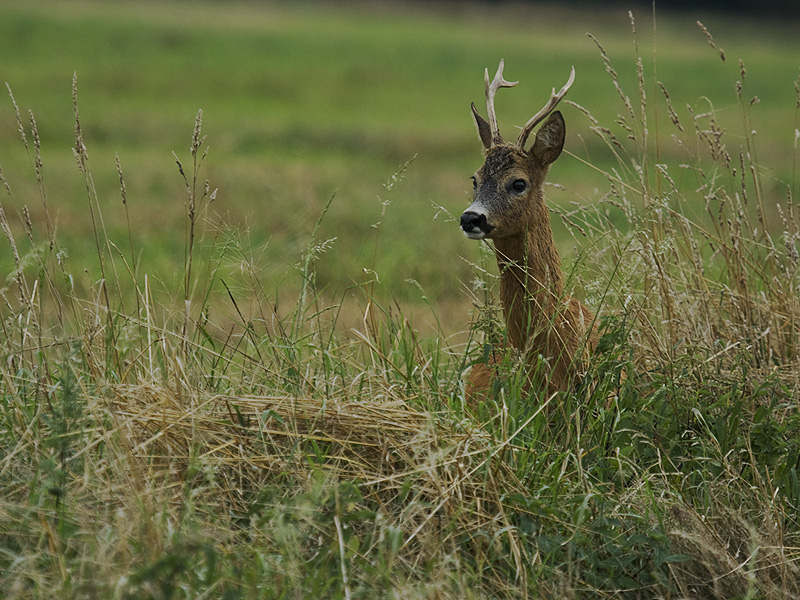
209,440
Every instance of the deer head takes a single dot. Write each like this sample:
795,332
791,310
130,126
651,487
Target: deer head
509,184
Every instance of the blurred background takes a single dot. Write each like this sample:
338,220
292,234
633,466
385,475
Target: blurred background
766,9
365,102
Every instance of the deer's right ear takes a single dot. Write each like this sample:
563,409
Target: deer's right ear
484,131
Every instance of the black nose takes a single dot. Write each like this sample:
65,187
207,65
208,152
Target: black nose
472,222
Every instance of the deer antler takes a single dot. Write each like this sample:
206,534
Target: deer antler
491,89
539,116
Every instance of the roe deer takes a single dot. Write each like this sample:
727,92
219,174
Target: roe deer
508,207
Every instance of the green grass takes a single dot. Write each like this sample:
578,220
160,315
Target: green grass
252,389
295,113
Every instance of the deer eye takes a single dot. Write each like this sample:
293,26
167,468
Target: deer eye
519,185
474,182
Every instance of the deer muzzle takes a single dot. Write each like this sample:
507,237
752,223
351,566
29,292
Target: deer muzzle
474,225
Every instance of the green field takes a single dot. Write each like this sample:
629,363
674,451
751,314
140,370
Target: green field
303,103
241,378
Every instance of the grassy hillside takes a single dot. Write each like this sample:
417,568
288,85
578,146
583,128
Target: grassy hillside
235,372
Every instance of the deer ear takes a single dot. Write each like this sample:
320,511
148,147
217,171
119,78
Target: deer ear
484,131
550,139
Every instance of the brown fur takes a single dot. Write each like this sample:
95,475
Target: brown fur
540,320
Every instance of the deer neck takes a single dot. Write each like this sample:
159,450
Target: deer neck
531,281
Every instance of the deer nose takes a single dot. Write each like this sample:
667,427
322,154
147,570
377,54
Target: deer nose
473,223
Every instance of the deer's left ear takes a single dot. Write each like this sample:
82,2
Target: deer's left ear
550,139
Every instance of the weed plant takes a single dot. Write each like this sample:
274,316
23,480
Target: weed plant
206,440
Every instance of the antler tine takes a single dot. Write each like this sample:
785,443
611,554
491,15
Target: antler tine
491,89
555,98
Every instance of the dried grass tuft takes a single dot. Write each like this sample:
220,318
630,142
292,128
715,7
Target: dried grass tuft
246,444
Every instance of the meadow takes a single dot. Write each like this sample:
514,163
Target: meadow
237,306
295,114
